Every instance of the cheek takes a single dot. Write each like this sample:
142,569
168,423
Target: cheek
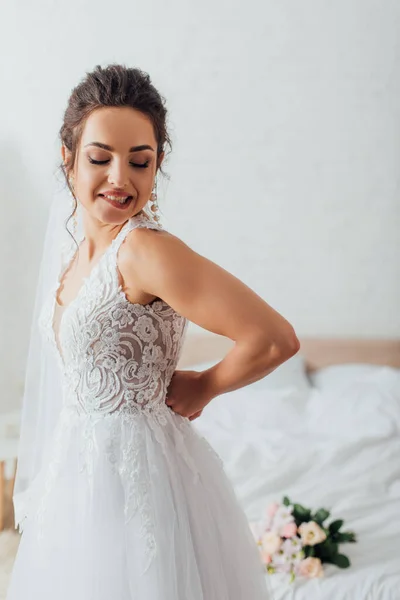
141,183
146,185
89,181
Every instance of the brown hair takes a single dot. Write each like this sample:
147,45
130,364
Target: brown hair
114,85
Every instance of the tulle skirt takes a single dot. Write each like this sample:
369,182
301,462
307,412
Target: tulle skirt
135,507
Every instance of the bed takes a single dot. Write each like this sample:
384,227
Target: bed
324,430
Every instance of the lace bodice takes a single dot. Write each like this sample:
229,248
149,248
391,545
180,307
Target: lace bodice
116,361
114,355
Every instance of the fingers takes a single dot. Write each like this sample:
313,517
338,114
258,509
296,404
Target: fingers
170,403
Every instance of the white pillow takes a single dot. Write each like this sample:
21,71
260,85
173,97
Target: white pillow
291,374
340,377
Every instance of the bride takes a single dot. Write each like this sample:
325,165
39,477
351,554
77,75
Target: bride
117,495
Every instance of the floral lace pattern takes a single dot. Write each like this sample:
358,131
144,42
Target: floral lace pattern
117,360
115,355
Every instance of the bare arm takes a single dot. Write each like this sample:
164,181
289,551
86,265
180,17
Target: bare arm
206,294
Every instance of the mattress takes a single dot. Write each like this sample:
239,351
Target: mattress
332,446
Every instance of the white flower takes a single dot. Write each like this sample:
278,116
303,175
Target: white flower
293,548
282,517
271,542
311,533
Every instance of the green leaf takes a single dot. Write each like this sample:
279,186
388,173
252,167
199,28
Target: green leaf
321,515
286,501
301,513
326,549
300,508
341,561
329,559
345,537
335,525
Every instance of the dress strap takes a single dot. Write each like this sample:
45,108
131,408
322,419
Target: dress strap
139,220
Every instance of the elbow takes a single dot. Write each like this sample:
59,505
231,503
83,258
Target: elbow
275,346
292,344
284,346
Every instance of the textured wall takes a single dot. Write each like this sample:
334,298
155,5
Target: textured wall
285,171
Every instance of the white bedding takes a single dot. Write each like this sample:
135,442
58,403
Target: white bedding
327,447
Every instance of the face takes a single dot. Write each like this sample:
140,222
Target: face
117,156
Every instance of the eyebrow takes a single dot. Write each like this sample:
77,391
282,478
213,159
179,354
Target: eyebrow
111,149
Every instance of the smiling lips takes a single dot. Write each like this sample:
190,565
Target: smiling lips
119,193
117,199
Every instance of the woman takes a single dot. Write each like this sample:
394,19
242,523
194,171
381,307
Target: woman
118,496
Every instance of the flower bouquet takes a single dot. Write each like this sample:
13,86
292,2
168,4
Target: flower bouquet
293,540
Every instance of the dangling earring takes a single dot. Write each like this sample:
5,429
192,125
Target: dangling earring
73,201
154,208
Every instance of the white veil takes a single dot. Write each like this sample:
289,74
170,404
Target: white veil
42,399
43,393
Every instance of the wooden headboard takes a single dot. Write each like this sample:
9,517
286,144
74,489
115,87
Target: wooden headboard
318,352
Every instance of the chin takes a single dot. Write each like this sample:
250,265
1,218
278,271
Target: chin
117,215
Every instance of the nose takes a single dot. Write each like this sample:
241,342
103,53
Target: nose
118,174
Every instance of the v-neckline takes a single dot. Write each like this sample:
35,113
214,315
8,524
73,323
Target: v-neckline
86,279
64,308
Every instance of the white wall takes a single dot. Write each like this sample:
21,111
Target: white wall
285,170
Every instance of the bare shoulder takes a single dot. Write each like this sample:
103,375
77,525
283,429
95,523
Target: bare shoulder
162,265
147,259
144,245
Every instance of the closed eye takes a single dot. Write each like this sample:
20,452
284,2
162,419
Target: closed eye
104,162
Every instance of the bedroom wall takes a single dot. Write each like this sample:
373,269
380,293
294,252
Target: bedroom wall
285,168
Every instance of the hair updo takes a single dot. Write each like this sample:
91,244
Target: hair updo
112,86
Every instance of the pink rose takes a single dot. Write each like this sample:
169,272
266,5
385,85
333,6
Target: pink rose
272,508
289,530
265,557
311,567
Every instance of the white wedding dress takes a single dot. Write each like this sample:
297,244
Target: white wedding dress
135,503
